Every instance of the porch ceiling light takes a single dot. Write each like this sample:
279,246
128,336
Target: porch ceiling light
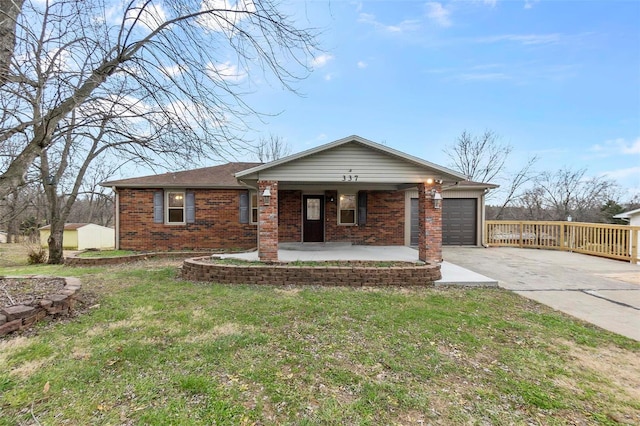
266,195
437,199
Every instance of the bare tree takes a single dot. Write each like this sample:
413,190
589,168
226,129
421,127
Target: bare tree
272,148
484,158
515,183
479,158
177,65
569,192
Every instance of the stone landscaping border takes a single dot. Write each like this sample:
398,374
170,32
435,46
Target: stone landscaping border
358,275
19,317
118,260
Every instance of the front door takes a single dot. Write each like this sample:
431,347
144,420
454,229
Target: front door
313,219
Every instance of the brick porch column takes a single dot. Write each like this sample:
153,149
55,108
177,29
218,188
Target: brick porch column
268,222
429,224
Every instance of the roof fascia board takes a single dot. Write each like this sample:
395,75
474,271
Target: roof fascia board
452,174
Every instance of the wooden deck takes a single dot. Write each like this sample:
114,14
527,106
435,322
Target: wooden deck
611,241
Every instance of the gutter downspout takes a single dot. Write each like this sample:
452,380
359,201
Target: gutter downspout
116,219
483,218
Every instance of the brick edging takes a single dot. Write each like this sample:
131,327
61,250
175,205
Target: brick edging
118,260
200,269
19,317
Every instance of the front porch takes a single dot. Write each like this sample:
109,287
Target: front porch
351,190
319,252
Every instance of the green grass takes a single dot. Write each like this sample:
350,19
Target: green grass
159,350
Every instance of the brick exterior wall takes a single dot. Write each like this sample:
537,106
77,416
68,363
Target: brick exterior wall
268,222
353,276
385,220
217,223
290,216
430,225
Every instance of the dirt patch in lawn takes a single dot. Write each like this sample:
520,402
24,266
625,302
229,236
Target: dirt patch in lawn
19,291
621,367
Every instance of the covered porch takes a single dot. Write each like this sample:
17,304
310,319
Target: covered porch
349,191
452,274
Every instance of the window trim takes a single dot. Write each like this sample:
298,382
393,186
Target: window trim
253,193
355,209
184,206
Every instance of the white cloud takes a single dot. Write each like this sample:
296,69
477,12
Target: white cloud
321,60
620,174
526,39
618,146
330,76
362,64
407,25
174,70
224,16
528,4
491,3
150,16
492,76
438,13
225,71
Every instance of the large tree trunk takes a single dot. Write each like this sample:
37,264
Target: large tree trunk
55,243
9,11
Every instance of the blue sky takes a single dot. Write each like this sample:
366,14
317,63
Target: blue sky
556,79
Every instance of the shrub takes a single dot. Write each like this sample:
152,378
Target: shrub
36,254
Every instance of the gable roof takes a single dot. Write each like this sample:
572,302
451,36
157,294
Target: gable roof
627,215
67,226
207,177
447,173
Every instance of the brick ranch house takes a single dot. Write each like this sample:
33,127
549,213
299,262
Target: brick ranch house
350,190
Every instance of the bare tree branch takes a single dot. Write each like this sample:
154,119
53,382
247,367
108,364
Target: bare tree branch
164,64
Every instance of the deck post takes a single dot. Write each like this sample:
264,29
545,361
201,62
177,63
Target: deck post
634,245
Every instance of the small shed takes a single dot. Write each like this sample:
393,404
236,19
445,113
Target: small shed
633,216
82,236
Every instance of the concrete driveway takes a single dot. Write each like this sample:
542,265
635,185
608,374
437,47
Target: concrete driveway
601,291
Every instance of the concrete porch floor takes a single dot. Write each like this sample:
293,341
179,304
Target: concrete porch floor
290,252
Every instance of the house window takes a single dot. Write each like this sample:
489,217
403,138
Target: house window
347,209
254,207
175,207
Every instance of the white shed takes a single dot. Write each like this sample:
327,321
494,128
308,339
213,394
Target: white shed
633,216
82,236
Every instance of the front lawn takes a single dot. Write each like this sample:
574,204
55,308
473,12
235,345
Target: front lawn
157,350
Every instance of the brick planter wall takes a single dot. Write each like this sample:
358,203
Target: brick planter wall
117,260
19,317
201,269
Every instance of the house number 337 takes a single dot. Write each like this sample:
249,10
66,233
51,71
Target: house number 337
349,178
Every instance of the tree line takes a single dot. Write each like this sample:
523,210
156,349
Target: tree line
531,194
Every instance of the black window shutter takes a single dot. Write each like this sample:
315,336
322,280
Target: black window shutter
244,207
362,208
158,207
191,207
